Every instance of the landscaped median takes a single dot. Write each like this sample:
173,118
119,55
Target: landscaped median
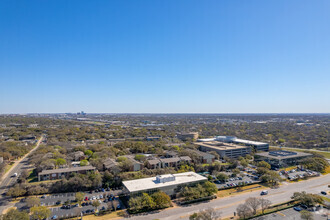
238,190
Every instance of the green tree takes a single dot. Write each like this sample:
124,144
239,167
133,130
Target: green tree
83,163
147,201
161,199
40,212
14,214
271,177
222,177
304,214
89,153
186,168
16,191
307,199
60,161
80,197
264,164
210,188
32,202
121,159
140,157
318,164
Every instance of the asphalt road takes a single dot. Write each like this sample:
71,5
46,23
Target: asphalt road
8,180
227,206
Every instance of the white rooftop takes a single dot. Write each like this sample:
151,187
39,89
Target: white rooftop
152,183
248,142
231,139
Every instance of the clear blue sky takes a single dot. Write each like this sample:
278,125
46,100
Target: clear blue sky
156,56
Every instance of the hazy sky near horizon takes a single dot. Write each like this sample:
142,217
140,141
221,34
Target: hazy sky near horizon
156,56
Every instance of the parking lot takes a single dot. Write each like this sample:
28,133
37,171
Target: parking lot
236,181
295,174
76,211
59,199
291,214
51,200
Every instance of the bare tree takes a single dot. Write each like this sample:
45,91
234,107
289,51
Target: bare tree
207,214
243,211
114,203
253,203
264,203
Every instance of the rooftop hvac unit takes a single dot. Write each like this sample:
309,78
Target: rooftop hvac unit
165,179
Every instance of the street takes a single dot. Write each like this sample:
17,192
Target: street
8,180
227,206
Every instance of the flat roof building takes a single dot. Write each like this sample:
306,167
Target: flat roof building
224,149
257,146
168,183
59,173
281,158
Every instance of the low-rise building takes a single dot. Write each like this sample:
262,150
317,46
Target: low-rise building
65,172
111,165
154,164
167,162
169,183
78,156
154,138
136,165
188,136
201,157
281,158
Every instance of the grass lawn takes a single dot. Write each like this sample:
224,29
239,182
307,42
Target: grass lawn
32,177
326,198
327,170
233,191
113,215
8,166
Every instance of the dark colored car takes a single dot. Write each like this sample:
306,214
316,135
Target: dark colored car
304,206
323,192
298,209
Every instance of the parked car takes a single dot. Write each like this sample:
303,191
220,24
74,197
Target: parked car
304,206
298,209
54,217
264,192
323,192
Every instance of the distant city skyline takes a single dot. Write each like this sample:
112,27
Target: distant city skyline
153,56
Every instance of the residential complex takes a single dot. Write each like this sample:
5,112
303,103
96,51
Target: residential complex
167,162
281,158
65,172
169,183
